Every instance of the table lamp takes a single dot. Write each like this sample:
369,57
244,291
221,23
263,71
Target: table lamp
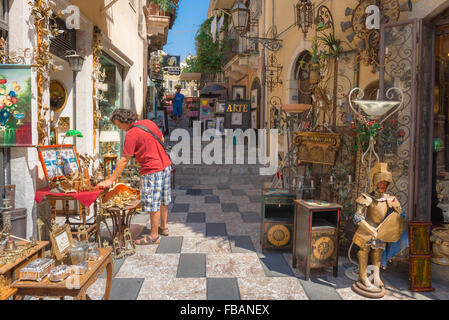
108,140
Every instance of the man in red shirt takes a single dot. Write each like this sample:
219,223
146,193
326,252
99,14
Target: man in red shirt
155,189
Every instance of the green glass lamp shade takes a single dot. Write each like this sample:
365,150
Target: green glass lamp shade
74,133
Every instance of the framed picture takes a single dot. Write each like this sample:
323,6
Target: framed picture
238,93
58,96
207,109
15,100
58,161
210,124
162,121
61,241
220,121
254,119
221,107
254,99
237,119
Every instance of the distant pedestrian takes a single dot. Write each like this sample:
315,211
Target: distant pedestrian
155,173
177,105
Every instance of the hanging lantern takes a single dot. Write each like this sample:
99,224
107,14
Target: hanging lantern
75,60
240,16
304,15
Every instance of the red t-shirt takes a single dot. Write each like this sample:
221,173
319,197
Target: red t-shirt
149,153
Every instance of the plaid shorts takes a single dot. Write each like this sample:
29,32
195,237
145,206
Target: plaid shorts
155,190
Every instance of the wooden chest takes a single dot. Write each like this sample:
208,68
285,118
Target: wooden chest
315,236
278,211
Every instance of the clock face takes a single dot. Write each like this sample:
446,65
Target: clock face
323,248
278,235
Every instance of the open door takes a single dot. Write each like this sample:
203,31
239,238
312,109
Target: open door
408,62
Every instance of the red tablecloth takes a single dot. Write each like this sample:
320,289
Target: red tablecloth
86,198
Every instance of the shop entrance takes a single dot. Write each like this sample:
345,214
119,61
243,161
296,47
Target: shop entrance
440,193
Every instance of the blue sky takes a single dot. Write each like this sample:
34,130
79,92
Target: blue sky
181,38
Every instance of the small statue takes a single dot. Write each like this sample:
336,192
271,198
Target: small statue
440,240
379,221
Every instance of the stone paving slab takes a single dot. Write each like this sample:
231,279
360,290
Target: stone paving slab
196,217
222,289
216,245
157,267
174,289
170,245
263,288
234,265
241,244
125,289
216,230
191,265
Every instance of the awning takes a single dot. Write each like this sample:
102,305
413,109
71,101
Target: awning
190,76
214,88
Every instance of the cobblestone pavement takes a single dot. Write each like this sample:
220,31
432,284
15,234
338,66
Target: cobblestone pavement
214,252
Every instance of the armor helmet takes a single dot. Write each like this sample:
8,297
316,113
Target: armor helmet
378,174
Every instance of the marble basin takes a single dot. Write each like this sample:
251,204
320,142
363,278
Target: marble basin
377,109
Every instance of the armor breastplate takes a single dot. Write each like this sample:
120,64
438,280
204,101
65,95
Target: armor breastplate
377,211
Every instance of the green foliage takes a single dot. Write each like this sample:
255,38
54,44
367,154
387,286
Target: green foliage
192,65
209,54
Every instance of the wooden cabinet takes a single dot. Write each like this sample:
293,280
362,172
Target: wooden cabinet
315,236
278,209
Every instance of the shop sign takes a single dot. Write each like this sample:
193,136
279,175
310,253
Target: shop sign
373,18
175,71
238,115
317,147
237,107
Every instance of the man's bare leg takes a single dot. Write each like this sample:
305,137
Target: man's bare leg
155,217
164,216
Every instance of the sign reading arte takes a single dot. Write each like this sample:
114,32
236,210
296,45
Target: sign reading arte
238,107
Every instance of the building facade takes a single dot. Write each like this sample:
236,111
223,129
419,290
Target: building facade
114,40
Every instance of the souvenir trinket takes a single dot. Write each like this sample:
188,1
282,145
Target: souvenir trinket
59,273
36,270
79,269
93,253
78,253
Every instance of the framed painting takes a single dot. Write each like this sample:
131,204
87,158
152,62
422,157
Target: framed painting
254,119
237,119
162,120
61,241
238,92
58,161
221,107
220,121
58,96
207,109
254,99
15,106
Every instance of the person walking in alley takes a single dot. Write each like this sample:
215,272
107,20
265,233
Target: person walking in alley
145,141
177,105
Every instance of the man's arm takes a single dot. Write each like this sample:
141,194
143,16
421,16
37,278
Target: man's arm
121,165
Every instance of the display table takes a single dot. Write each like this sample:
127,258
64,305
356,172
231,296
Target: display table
86,199
73,287
9,272
121,221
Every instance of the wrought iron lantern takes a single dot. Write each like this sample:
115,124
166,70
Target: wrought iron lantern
75,60
272,72
240,16
304,15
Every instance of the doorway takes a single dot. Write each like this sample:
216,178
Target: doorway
440,194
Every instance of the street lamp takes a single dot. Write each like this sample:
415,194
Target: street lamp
240,15
304,15
76,65
75,60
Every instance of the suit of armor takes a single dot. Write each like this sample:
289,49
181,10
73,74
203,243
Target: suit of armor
372,210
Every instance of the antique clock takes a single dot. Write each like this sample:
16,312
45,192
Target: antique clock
277,220
315,236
